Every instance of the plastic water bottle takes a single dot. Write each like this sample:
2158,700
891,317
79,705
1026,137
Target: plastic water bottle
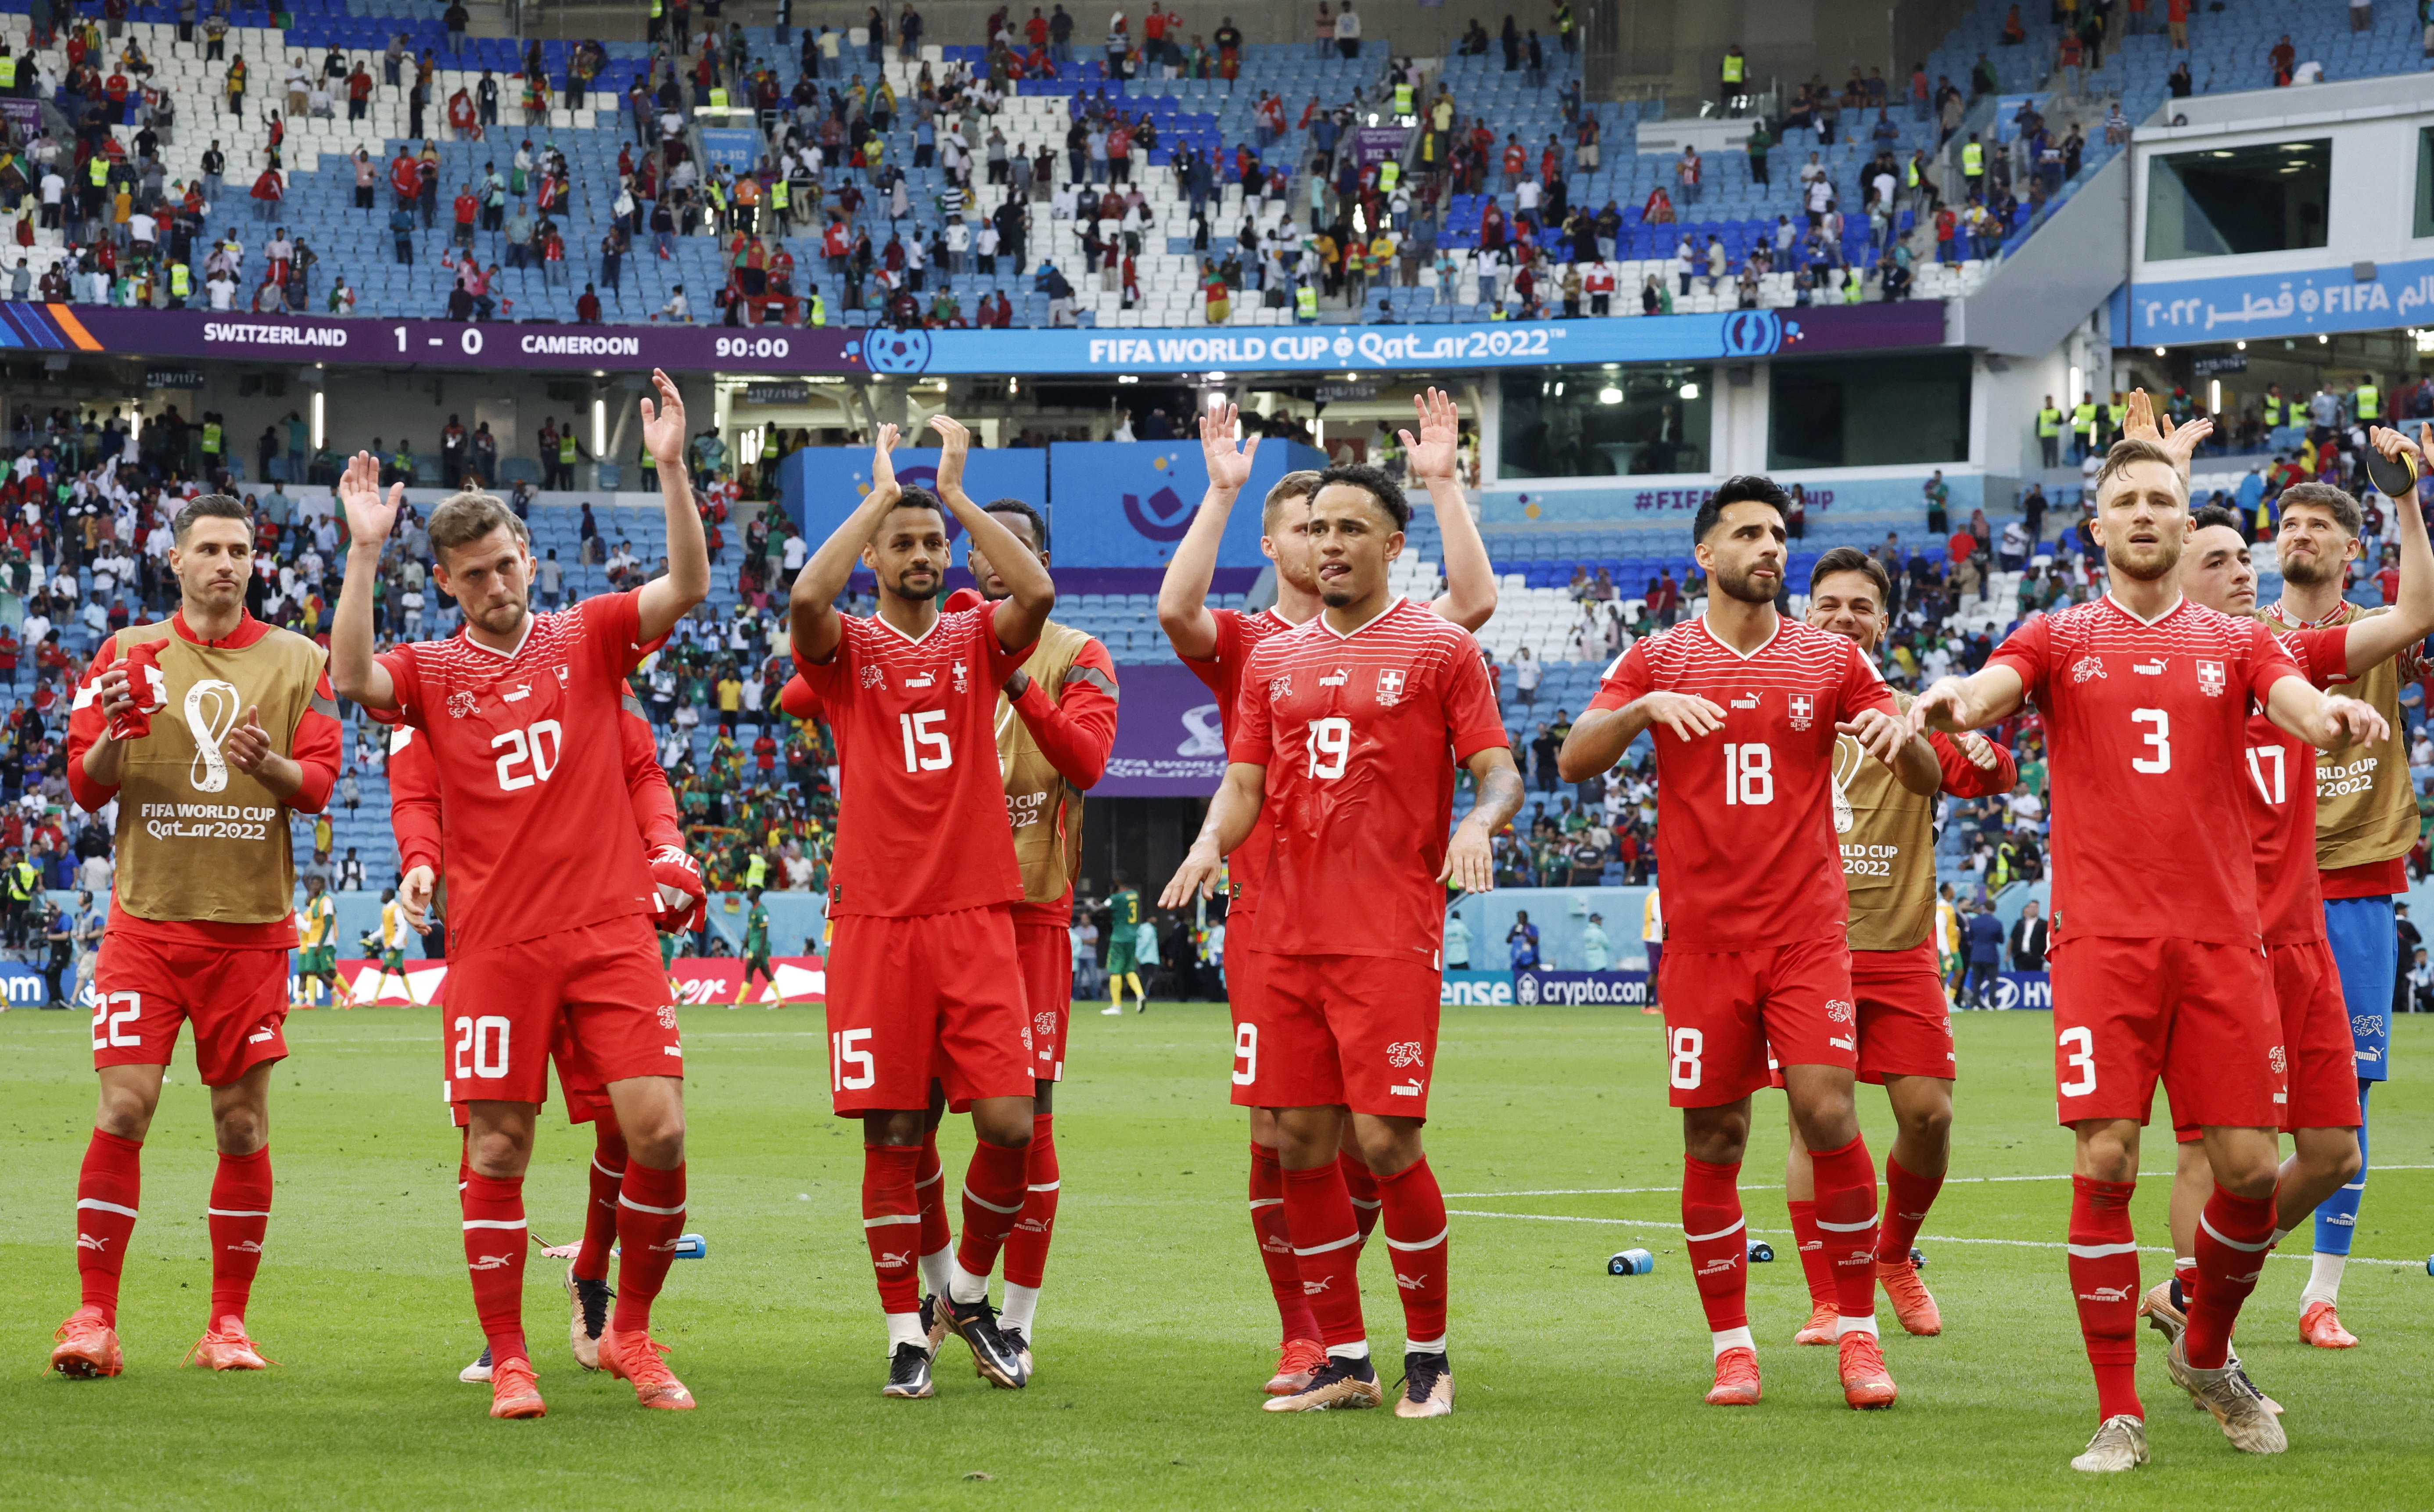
693,1246
1760,1252
1631,1263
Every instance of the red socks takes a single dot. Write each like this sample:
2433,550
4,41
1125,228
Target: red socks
1361,1182
1907,1200
1416,1241
1327,1252
2104,1279
1813,1264
495,1242
608,1166
239,1212
108,1190
1716,1238
930,1189
1026,1249
1846,1220
891,1223
993,1198
1276,1245
2234,1233
650,1219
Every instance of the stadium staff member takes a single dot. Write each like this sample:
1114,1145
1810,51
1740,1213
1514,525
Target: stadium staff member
202,909
2029,940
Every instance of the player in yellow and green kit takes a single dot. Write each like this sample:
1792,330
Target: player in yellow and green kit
756,949
393,926
317,955
1123,929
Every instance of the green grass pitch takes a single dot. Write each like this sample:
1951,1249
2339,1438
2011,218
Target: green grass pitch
1577,1389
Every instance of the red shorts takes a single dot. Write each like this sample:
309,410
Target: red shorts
938,997
144,988
1723,1010
2202,1016
2322,1075
595,995
586,1101
1046,951
1905,1024
1319,1031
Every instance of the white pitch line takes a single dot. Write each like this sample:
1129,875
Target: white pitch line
1924,1238
1949,1180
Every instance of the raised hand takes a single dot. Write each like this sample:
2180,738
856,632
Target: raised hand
955,442
1229,468
249,744
1432,455
368,518
2139,418
663,424
882,466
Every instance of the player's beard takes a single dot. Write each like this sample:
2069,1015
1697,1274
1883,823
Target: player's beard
902,588
2165,562
502,618
2313,569
1744,585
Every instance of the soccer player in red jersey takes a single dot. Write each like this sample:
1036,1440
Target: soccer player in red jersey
1885,819
550,887
923,979
207,728
1343,734
1746,708
2158,962
1214,643
414,817
1053,750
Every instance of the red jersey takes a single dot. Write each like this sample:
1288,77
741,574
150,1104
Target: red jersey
1236,633
1735,880
2146,730
922,824
414,791
1360,734
534,814
2282,801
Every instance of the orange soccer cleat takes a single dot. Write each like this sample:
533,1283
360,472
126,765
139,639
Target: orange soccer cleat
1297,1362
514,1392
225,1346
635,1357
1820,1327
1866,1383
2321,1325
86,1346
1912,1305
1736,1379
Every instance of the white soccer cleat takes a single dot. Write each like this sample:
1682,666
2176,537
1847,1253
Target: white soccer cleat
2119,1444
2233,1399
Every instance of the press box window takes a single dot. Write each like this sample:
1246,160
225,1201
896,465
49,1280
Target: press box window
2223,201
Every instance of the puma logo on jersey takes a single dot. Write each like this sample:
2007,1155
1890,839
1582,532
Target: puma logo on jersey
1336,679
925,679
1746,701
1407,1089
2149,669
523,692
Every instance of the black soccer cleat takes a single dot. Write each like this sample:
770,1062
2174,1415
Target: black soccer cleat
975,1323
1340,1384
1428,1386
1019,1343
908,1373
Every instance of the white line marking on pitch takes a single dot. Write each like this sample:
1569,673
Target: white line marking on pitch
1949,1180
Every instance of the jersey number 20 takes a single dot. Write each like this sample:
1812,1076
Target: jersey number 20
531,755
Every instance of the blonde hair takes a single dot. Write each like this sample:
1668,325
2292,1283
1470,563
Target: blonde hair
2129,452
1302,485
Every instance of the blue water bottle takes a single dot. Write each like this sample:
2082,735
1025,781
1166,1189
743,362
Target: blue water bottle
1631,1263
1761,1251
693,1246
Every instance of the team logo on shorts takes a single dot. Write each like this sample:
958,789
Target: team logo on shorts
2276,1059
1279,688
873,677
667,1016
2210,681
462,705
1804,709
1839,1010
1045,1024
2085,668
1390,686
1406,1052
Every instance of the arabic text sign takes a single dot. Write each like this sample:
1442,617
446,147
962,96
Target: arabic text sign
1127,503
2282,304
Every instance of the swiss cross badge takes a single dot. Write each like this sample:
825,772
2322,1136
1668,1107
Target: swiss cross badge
963,682
1390,687
2210,680
561,676
1804,709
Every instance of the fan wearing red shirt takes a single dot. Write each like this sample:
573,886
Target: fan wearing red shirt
551,894
1885,823
1215,644
414,818
1747,708
1349,729
208,729
924,983
2158,960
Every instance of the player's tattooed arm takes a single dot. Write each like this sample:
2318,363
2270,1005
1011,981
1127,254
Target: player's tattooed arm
812,604
1956,703
353,670
2378,637
1600,737
1231,814
1470,598
1470,854
2326,721
1031,593
666,600
1183,593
